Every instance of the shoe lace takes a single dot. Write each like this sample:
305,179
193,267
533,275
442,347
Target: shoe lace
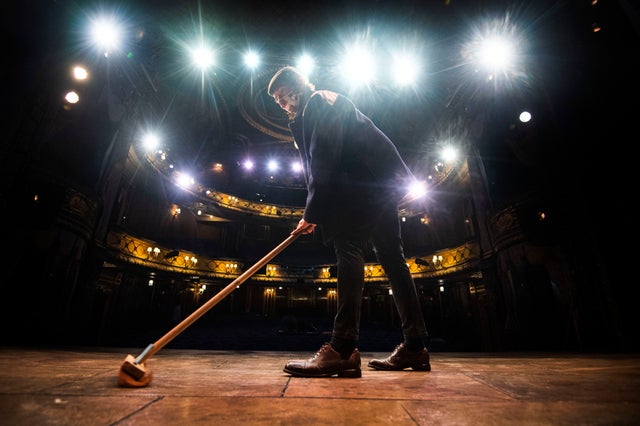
322,349
396,350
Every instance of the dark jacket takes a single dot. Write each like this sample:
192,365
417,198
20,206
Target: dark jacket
352,169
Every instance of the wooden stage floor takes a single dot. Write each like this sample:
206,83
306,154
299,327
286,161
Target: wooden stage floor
78,386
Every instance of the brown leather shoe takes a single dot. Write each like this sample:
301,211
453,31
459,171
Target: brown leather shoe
402,358
326,363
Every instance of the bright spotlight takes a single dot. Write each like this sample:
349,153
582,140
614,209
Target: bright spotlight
272,165
449,154
151,142
417,189
405,70
106,33
183,180
525,116
202,56
251,60
80,73
72,97
496,53
305,65
359,67
247,164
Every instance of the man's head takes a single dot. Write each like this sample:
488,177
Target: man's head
287,87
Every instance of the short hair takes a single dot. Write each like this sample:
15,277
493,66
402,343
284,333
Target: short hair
291,77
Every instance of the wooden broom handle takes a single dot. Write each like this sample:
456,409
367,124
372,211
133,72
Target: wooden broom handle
161,342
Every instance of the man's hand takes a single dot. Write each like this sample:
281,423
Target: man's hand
304,227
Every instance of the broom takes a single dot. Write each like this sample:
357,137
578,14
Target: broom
134,373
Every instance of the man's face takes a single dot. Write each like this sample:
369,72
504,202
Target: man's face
287,99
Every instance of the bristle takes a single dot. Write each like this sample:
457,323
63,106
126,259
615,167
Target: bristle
126,381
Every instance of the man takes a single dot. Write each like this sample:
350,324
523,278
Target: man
355,179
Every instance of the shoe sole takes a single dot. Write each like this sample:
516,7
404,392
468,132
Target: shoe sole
350,374
416,367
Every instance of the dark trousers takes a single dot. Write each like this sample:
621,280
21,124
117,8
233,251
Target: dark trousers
386,238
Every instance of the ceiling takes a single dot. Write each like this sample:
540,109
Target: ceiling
226,115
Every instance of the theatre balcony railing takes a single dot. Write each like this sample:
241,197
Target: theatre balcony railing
132,250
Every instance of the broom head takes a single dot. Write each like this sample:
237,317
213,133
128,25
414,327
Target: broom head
133,375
